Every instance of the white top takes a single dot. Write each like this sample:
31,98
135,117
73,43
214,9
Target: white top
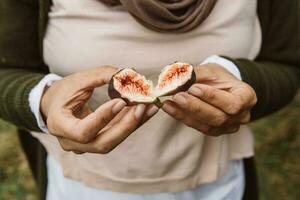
163,155
229,187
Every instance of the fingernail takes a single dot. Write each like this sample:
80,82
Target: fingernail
118,107
169,109
152,111
195,91
179,99
139,111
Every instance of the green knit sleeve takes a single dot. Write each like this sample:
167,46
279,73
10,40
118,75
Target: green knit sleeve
21,66
275,74
15,86
275,84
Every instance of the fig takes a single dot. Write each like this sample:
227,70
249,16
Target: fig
135,88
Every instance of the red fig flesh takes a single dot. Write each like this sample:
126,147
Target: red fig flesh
175,78
131,86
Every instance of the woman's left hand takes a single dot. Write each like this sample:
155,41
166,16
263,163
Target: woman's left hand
217,104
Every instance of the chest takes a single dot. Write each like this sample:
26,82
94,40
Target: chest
86,34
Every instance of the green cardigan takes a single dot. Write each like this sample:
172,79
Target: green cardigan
274,74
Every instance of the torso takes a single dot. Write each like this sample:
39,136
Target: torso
163,155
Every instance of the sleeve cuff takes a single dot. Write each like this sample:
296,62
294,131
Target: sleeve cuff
35,96
223,62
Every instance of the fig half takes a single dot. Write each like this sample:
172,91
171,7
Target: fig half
135,88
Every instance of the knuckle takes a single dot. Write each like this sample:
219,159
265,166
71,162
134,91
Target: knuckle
214,132
129,128
197,109
179,116
103,148
208,94
234,108
78,152
220,120
205,129
254,100
233,130
104,119
52,124
246,119
65,147
81,136
252,95
189,123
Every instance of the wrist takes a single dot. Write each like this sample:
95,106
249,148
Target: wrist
225,64
43,104
36,99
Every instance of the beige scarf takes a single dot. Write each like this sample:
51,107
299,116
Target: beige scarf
175,16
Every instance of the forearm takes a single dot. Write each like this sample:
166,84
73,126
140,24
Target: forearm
15,86
275,84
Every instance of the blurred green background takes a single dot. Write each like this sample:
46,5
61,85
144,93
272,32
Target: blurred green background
277,156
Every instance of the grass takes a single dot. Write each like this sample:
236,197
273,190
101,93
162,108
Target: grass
277,156
16,182
277,153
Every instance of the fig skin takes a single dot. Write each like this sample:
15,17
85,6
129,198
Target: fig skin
112,92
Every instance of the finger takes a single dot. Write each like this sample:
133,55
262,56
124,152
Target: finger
69,145
231,129
245,94
176,112
221,99
118,117
109,139
78,152
84,130
151,110
112,137
85,111
240,119
245,118
94,77
200,110
173,110
215,132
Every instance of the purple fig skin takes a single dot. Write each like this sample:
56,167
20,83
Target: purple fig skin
112,92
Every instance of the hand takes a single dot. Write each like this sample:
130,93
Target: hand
76,126
217,104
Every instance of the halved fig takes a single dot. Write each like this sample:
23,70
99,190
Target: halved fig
175,78
131,86
135,88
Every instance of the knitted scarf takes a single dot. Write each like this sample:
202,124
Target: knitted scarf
175,16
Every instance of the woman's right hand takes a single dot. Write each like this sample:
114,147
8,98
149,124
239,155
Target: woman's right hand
77,127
